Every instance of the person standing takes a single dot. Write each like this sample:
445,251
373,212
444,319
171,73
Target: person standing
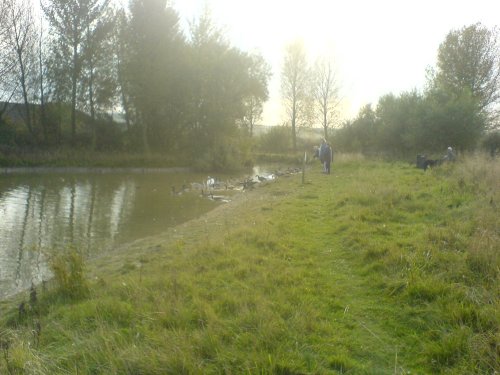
322,154
328,158
450,155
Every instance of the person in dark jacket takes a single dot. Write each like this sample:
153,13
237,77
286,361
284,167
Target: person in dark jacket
450,155
328,158
322,153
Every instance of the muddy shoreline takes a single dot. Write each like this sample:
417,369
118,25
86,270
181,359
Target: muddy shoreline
190,234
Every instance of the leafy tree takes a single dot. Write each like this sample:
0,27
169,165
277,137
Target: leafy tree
57,90
400,121
366,128
71,21
358,135
153,70
491,143
119,48
224,80
451,120
98,75
276,140
325,92
295,88
469,64
259,73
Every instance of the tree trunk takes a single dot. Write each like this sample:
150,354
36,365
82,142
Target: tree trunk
124,97
91,102
73,93
19,52
26,100
325,124
91,92
126,109
145,142
294,115
43,120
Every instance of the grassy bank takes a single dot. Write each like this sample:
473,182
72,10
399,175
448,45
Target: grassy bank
377,268
89,159
84,158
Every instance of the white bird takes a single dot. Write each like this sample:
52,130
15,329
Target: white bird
210,182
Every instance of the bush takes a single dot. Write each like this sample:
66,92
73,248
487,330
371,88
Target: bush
277,139
491,143
228,154
7,133
109,136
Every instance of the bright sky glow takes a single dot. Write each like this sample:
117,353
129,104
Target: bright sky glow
378,46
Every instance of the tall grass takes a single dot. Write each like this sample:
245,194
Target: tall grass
377,268
69,275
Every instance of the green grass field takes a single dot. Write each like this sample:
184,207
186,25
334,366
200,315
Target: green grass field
378,268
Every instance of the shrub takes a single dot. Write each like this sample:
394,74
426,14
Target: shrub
226,155
109,136
277,139
491,143
7,133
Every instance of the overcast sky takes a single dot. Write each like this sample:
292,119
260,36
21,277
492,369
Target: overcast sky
378,46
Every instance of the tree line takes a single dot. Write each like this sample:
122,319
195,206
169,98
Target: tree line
459,107
74,62
310,93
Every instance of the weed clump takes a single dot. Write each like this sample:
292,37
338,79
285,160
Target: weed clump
69,275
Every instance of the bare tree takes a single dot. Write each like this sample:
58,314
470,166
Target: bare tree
325,92
5,64
19,43
295,87
3,4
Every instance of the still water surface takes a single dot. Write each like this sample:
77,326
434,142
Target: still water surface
43,213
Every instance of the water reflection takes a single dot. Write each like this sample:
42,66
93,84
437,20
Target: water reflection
40,214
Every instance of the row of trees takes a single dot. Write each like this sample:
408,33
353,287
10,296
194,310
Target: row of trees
311,94
459,106
74,62
83,59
